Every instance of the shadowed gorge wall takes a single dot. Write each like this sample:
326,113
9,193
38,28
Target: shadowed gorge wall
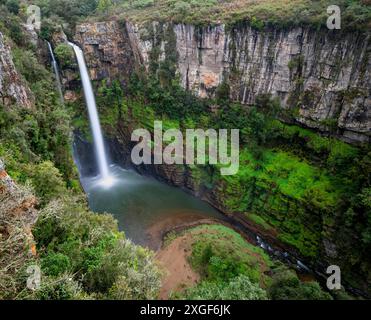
320,77
321,80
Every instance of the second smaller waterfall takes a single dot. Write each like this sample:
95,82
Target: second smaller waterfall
93,116
56,72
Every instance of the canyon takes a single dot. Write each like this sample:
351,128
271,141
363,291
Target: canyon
97,224
322,78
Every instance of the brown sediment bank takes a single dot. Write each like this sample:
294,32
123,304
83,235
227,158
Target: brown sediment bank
174,221
178,274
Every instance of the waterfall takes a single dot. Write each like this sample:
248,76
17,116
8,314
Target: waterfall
93,116
56,72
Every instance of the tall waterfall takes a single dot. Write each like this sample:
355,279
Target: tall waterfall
56,72
93,116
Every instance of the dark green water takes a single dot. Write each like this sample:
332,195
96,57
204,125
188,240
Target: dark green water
139,202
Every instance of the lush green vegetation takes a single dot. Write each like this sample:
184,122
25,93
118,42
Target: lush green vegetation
65,55
285,285
305,186
31,136
231,268
88,247
282,13
239,288
219,254
259,14
81,255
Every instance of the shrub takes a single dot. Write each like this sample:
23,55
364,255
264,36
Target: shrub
182,7
221,254
14,241
55,263
13,6
96,251
125,266
239,288
27,64
67,219
48,27
47,181
286,286
60,288
65,55
142,3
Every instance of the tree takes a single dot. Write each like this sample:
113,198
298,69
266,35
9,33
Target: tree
13,6
287,286
65,55
104,5
239,288
47,181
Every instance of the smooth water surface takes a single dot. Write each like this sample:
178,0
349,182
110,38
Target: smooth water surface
138,202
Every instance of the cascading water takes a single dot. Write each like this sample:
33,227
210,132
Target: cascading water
105,177
56,72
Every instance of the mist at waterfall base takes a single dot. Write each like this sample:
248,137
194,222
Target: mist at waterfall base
137,202
143,206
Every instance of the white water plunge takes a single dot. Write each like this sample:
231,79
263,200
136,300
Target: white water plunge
56,72
105,177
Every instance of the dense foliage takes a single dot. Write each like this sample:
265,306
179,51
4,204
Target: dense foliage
233,269
259,14
285,285
355,13
305,186
239,288
88,246
82,255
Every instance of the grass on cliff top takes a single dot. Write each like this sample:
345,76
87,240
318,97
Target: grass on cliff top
356,14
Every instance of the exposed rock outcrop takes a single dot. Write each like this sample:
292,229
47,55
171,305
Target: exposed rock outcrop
321,77
12,87
107,50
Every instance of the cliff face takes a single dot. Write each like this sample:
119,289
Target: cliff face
107,50
12,88
322,78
